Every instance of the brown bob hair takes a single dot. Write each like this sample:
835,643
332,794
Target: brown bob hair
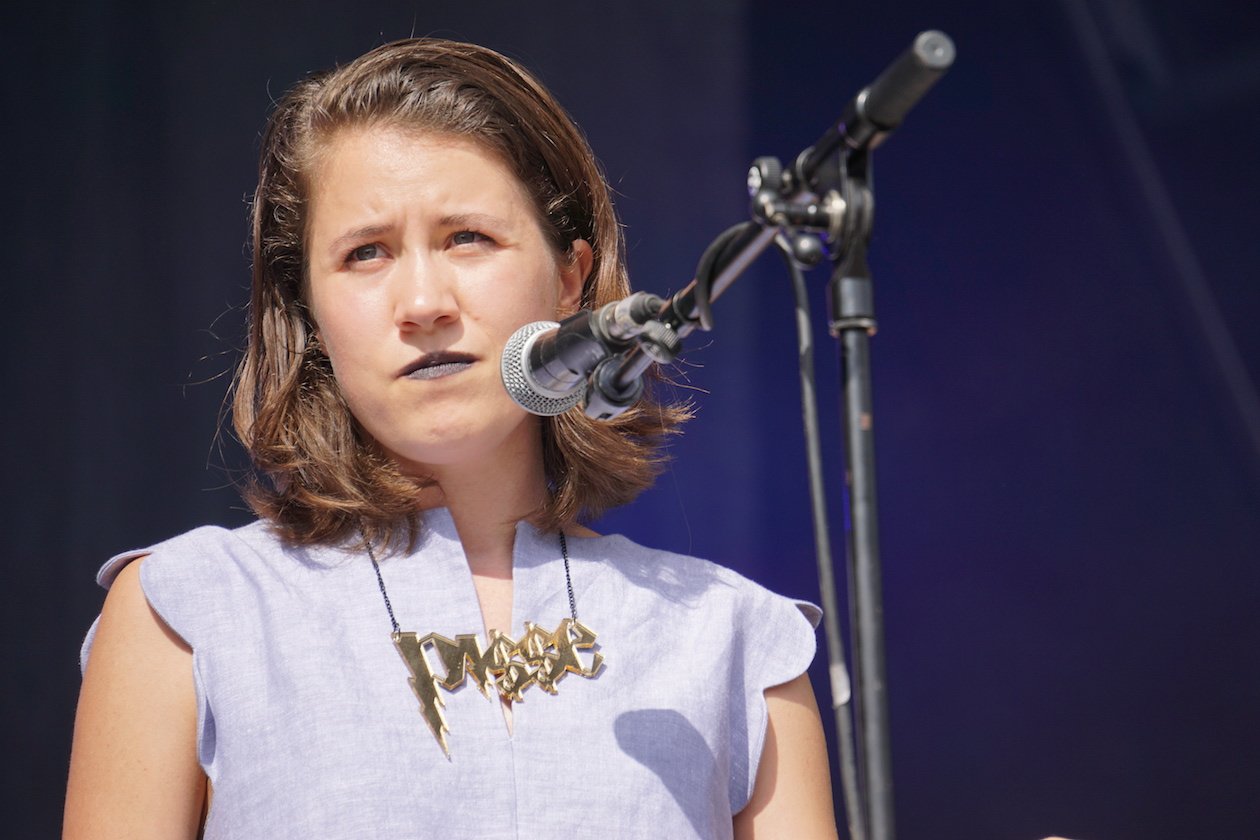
317,475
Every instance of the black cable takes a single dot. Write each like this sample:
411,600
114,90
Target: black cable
712,261
837,670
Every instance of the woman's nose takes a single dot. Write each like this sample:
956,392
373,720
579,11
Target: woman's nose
424,296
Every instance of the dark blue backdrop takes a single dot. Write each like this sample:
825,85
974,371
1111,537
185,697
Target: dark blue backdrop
1065,371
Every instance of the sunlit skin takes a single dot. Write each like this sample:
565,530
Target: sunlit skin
428,244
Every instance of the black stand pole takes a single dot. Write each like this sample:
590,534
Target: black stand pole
853,323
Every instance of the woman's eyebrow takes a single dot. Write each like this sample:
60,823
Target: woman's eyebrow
357,234
472,220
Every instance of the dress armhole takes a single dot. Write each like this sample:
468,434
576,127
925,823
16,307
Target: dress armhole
105,577
780,653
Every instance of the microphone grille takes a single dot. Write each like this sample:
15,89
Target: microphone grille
516,379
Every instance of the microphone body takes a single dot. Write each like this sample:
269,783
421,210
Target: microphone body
559,361
548,366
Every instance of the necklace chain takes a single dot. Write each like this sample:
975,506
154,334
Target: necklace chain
568,581
380,581
389,607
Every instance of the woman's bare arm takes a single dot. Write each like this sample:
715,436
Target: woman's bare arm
792,795
133,768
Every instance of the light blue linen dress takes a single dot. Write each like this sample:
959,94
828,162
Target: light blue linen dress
308,726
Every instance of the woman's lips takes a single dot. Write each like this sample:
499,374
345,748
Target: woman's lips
437,365
438,371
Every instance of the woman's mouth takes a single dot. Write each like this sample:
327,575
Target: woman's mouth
438,365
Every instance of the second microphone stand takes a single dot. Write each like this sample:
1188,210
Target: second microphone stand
822,205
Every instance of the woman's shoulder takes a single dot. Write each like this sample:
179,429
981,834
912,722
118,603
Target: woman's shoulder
181,576
203,548
690,580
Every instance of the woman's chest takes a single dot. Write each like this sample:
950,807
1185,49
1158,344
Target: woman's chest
623,718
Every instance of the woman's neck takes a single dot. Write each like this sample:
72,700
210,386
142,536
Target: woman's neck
485,505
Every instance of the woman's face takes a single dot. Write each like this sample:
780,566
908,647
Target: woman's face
425,254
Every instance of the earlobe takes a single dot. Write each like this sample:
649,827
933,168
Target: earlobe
574,271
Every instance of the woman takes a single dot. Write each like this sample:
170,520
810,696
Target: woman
414,209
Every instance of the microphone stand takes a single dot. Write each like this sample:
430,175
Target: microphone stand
826,195
852,323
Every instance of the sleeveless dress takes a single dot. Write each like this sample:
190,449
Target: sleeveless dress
308,725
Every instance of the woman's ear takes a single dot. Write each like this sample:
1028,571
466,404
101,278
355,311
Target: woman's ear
574,269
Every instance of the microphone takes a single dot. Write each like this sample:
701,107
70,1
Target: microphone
546,365
881,106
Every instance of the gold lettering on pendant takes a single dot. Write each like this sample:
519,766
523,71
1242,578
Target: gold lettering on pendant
560,656
424,684
540,658
460,657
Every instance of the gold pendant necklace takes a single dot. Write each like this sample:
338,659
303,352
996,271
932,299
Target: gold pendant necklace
539,658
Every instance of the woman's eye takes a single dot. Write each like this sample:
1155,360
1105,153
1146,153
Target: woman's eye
468,237
364,253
